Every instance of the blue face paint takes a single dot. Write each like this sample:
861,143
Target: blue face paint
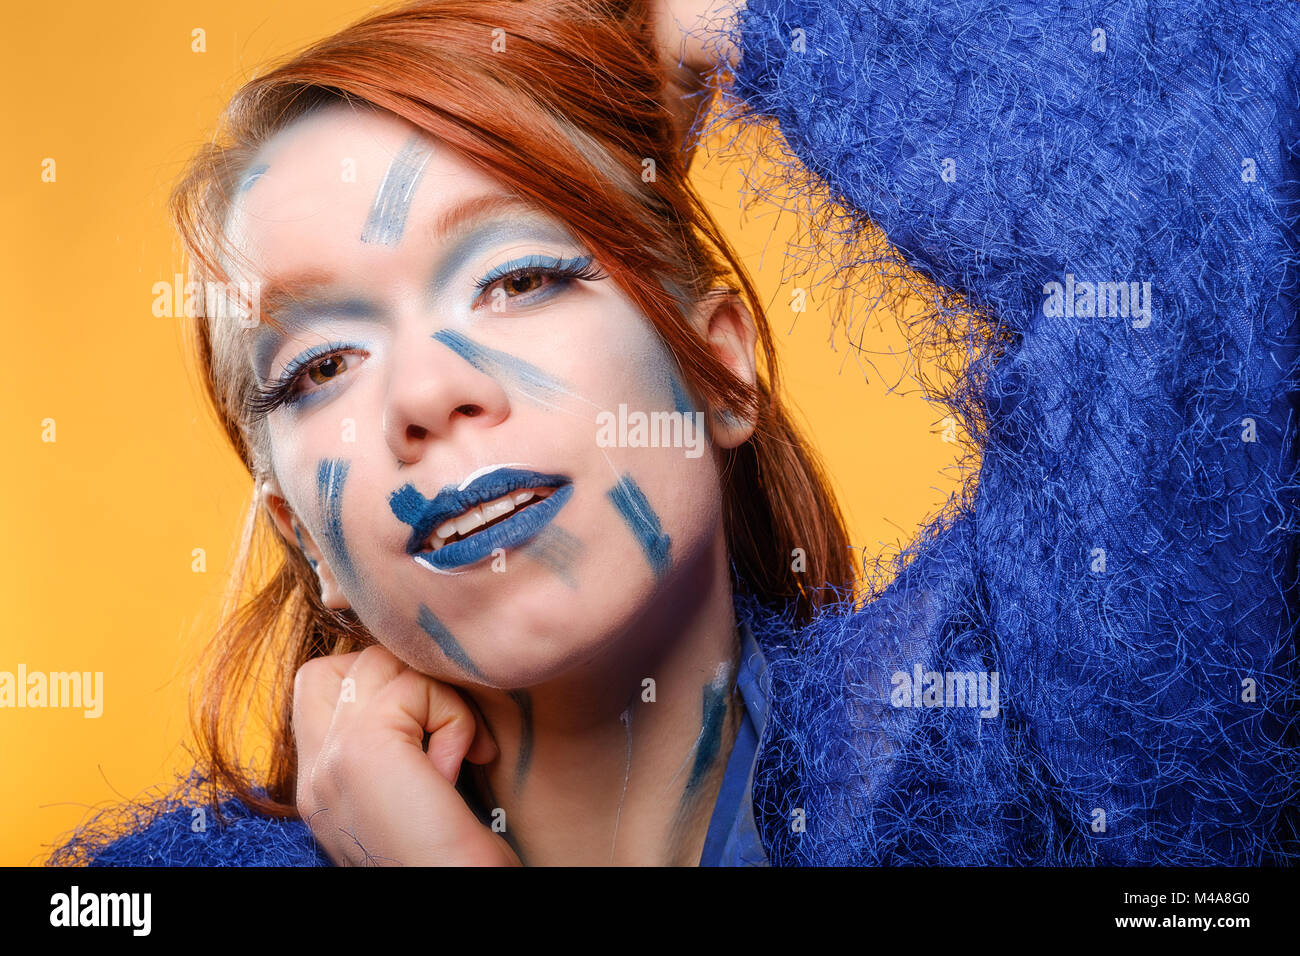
301,316
519,526
728,418
631,503
558,550
331,476
303,548
505,368
681,400
442,637
561,271
525,702
710,740
707,746
494,233
387,220
252,176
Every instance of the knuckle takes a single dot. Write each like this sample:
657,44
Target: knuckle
310,675
373,656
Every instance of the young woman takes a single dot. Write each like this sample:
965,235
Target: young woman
514,626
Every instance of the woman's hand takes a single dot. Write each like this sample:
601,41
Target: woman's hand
686,27
687,32
366,787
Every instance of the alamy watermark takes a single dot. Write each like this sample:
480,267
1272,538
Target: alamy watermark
84,689
1098,299
241,301
947,689
626,429
130,910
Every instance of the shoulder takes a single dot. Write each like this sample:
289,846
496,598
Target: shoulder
184,830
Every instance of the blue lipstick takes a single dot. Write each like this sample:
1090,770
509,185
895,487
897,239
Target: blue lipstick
516,528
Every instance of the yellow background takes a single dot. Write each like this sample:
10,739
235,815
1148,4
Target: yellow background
100,525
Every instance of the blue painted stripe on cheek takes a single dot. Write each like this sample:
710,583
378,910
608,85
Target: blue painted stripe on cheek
631,503
504,367
450,646
557,550
331,476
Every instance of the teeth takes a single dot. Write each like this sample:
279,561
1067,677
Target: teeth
480,515
495,509
469,520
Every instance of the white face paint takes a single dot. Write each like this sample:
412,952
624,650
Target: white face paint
448,377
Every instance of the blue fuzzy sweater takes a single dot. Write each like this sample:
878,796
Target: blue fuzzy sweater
1127,563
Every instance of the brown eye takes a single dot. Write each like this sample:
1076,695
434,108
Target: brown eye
523,283
323,371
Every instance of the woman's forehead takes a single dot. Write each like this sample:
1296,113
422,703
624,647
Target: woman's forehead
356,189
339,163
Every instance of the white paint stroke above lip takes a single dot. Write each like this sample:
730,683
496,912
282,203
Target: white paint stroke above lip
488,469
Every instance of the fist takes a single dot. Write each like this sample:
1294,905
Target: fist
367,788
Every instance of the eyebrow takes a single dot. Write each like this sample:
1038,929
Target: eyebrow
305,296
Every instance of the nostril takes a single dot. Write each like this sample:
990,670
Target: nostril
469,411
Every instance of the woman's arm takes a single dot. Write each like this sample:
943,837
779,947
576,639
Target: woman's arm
1116,189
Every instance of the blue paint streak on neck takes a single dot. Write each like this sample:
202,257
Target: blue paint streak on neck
525,702
641,518
450,646
715,711
504,367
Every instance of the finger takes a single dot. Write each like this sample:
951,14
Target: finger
484,748
315,698
370,673
413,703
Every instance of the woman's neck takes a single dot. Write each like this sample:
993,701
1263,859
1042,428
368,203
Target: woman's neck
621,761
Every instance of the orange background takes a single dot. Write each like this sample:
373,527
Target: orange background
101,524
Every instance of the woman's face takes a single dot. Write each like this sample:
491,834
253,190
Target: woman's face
460,451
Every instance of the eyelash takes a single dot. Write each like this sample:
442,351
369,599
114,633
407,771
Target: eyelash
264,399
579,267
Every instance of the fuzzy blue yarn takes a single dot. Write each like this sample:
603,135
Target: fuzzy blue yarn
171,831
1121,690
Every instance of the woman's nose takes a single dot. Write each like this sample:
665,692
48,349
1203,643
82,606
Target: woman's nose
432,393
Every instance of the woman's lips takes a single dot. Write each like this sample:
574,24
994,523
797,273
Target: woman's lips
511,530
483,516
499,507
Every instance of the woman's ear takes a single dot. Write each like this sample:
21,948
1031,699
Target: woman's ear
294,532
729,328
